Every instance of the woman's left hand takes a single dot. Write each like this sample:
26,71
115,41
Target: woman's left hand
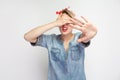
86,27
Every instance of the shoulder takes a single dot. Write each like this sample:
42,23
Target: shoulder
50,37
77,35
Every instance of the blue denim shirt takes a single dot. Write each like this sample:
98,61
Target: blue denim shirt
63,65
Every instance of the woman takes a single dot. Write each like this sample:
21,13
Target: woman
66,50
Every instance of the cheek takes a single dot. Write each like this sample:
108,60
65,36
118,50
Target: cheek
70,29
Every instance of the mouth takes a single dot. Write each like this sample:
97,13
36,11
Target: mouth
64,28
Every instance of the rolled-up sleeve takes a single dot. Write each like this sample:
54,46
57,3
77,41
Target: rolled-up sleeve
83,44
86,44
42,40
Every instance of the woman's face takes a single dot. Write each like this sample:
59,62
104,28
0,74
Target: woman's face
65,29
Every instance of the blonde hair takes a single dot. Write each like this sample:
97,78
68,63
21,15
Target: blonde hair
68,12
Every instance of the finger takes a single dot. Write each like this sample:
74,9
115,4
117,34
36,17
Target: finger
69,21
84,19
59,16
81,21
76,27
76,22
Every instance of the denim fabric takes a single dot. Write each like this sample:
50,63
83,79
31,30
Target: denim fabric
63,65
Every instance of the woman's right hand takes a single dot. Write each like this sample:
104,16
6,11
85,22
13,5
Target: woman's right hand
63,19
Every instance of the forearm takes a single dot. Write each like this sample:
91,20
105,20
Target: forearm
32,35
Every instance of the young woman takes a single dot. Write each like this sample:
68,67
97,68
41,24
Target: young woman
66,50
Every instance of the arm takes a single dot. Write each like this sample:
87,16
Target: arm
33,34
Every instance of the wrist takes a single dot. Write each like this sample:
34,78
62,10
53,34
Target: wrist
58,23
85,41
55,24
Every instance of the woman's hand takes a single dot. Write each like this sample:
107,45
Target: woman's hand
63,19
86,27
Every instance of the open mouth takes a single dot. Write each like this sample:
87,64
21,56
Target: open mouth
64,28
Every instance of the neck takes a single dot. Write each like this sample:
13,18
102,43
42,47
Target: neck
67,38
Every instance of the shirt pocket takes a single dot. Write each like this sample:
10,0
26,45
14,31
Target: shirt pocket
55,54
75,53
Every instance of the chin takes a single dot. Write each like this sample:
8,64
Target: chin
65,30
65,33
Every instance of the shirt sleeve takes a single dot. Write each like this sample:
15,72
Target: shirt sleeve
42,40
86,44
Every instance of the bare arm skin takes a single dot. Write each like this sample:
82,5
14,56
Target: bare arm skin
33,34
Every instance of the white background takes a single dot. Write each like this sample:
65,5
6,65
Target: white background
20,61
